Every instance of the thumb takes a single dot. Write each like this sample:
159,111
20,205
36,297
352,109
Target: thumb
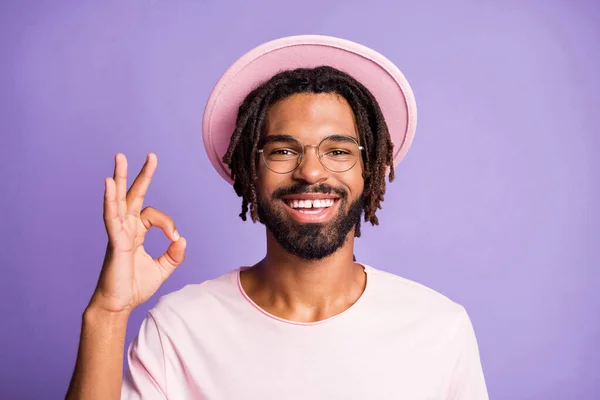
174,256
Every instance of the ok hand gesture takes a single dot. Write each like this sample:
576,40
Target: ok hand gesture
129,275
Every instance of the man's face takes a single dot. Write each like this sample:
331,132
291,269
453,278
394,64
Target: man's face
312,210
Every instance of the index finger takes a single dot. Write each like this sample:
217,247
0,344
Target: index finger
139,187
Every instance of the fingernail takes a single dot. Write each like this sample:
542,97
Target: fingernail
176,234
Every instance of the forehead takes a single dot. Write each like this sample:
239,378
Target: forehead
311,117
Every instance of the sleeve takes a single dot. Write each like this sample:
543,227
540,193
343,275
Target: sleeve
145,378
467,381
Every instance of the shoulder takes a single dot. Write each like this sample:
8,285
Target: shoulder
196,300
405,295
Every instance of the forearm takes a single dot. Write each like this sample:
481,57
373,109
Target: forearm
99,367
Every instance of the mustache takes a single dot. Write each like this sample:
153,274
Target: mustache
301,188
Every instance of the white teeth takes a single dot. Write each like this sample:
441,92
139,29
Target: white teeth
319,203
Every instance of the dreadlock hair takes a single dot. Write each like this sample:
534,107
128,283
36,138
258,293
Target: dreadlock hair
372,130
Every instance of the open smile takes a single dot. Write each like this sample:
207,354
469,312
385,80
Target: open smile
311,207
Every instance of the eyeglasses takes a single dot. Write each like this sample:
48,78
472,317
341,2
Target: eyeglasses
282,154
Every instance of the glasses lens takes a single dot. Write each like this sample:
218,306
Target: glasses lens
282,156
339,154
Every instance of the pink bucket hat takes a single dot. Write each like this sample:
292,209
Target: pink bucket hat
373,70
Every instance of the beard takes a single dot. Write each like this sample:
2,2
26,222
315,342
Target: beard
310,241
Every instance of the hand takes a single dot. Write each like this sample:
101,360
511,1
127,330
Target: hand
129,275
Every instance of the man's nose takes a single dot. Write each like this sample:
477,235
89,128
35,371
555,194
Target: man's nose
310,169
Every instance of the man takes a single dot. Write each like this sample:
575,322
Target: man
308,152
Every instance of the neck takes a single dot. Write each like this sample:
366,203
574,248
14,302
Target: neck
305,290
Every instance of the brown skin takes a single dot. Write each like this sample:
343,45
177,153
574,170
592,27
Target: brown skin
283,284
128,278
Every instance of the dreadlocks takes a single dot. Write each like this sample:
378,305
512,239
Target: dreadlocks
372,129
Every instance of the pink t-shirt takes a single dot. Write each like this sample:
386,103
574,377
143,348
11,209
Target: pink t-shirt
400,340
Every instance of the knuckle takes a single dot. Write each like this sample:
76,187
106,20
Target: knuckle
157,217
132,195
148,209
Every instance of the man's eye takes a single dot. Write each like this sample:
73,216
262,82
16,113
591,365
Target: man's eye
338,153
283,152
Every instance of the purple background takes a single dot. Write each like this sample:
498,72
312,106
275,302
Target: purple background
496,204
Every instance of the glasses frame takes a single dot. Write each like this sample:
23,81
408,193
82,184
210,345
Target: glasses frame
319,155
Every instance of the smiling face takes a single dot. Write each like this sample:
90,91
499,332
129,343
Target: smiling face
310,211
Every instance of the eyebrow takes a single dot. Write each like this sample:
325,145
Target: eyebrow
341,138
277,138
289,138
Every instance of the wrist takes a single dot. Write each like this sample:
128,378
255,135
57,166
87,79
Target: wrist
95,314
